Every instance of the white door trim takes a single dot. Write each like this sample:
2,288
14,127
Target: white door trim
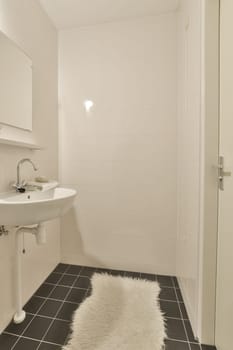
209,161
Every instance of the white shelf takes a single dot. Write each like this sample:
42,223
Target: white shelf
21,144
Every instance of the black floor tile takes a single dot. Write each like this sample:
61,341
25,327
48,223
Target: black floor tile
74,269
87,271
170,309
149,277
183,311
50,308
37,327
89,291
208,347
70,285
59,293
189,332
61,268
176,345
195,347
53,278
66,311
165,281
179,295
132,274
176,284
175,329
44,290
18,329
7,341
76,295
34,304
47,346
83,282
58,332
67,280
102,270
167,294
117,273
26,344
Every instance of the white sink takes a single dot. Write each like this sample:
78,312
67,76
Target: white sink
34,207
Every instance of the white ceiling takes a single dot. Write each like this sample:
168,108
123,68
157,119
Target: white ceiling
75,13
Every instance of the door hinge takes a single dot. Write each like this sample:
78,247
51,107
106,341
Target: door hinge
222,173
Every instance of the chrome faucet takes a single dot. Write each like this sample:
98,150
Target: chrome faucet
20,186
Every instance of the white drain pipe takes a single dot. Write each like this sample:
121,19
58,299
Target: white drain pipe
40,234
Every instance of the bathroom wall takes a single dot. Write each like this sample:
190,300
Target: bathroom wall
189,154
25,23
121,156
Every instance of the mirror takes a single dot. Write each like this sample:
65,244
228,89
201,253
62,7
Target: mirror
15,85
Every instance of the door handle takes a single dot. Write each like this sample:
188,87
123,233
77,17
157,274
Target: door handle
222,173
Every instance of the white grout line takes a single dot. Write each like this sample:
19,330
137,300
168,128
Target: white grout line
51,318
179,340
186,333
20,336
62,303
52,343
185,342
60,300
66,285
24,337
169,300
79,288
45,299
177,318
72,286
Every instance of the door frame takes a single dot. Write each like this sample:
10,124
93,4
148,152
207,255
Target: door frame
210,92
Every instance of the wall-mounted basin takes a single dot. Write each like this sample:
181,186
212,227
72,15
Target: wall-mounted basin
33,207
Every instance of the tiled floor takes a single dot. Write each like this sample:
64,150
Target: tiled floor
50,309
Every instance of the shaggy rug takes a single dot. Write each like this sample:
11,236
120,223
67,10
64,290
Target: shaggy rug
121,314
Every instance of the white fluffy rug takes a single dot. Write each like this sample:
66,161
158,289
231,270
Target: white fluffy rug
121,314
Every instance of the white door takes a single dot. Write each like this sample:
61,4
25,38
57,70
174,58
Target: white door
224,305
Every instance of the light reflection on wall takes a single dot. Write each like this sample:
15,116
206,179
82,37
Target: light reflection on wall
88,104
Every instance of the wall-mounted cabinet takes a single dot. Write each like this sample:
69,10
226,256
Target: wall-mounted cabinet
15,85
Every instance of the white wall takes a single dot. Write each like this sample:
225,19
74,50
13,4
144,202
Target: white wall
189,152
122,155
25,23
